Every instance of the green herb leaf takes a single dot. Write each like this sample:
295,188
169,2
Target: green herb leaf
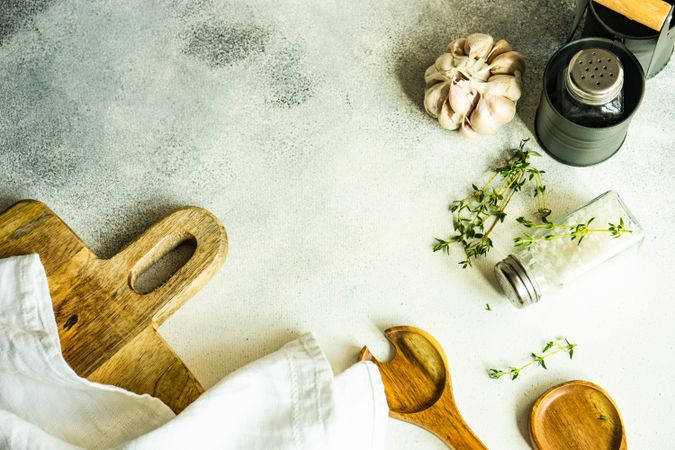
551,348
476,215
442,245
494,373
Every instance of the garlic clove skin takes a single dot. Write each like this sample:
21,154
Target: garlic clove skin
461,61
501,46
445,62
481,119
449,119
456,47
432,76
478,70
491,113
478,45
508,86
462,97
508,63
468,131
503,109
434,98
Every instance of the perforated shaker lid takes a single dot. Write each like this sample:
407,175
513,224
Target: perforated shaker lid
594,76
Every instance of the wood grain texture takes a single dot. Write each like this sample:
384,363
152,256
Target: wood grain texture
577,415
650,13
418,389
108,331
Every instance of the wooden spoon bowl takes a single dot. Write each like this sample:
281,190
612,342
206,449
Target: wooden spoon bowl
577,415
417,385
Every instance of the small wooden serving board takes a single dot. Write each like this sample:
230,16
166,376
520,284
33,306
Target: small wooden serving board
108,330
576,415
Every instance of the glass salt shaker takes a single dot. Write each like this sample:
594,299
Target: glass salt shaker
525,275
592,88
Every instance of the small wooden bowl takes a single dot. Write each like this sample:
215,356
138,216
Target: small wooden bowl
577,415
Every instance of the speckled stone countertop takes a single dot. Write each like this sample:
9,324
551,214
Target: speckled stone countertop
300,125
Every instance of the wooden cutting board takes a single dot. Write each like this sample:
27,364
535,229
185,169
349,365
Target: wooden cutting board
108,330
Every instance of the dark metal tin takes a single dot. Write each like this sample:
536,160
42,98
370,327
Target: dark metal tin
575,144
651,48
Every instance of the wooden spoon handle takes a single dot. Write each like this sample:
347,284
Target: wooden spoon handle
650,13
185,224
443,419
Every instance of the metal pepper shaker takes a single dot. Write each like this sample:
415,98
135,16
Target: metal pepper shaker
568,140
592,88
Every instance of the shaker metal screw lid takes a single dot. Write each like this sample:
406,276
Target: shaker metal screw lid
594,76
517,285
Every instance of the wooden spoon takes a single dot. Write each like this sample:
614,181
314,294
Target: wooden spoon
417,386
576,415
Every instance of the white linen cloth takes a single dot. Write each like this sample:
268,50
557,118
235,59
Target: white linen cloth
287,400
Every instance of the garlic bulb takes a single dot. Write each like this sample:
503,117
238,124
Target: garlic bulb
475,85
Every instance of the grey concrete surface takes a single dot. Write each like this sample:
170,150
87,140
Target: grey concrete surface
300,124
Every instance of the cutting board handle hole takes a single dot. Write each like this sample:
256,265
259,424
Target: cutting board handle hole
154,270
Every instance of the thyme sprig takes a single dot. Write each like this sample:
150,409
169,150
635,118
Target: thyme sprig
574,232
477,215
552,347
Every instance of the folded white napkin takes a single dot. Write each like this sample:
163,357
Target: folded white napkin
287,400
